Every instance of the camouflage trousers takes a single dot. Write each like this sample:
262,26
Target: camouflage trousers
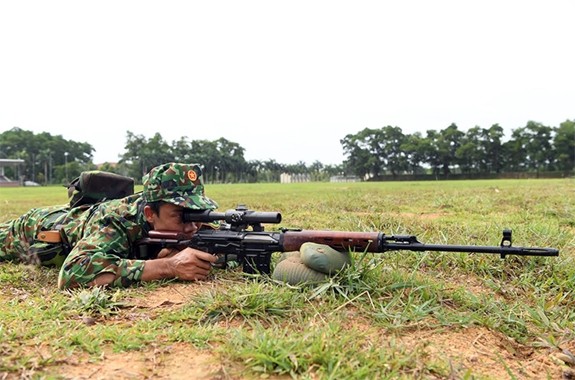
18,237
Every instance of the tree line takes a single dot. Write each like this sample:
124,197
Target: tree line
370,154
373,153
223,160
53,160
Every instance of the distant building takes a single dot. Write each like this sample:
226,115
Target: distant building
343,178
294,178
10,163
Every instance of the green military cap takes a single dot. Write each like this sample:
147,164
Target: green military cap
180,184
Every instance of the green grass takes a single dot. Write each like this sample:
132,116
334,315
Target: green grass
366,322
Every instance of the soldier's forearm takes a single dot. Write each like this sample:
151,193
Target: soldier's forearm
157,269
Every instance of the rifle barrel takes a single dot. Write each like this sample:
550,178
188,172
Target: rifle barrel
379,242
502,250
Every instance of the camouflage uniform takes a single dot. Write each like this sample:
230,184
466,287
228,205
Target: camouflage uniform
99,239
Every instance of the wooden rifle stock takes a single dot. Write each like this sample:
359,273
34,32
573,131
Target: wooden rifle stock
339,240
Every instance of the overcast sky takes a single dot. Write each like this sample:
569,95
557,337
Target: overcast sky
286,80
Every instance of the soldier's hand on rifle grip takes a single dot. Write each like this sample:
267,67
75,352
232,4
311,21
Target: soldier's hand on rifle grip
191,264
169,252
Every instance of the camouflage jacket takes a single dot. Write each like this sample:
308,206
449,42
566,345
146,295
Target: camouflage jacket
99,239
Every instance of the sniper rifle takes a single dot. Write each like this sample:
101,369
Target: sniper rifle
241,237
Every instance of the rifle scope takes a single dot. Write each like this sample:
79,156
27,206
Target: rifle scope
235,217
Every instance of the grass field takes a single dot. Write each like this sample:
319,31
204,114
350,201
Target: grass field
393,315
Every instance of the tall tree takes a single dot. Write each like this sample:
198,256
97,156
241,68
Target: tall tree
539,148
136,154
564,143
493,148
414,148
143,154
471,154
360,159
388,142
181,150
514,151
206,153
447,144
231,160
272,170
430,145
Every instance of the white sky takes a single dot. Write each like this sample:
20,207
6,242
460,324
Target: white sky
286,80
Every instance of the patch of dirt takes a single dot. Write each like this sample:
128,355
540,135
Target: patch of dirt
486,353
177,361
472,284
172,295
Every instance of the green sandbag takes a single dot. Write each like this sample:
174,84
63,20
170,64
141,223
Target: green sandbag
323,258
292,271
286,255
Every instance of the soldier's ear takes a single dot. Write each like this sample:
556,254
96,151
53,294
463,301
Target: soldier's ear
149,214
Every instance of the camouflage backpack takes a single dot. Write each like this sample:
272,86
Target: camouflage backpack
96,186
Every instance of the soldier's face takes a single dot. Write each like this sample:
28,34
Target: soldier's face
169,218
